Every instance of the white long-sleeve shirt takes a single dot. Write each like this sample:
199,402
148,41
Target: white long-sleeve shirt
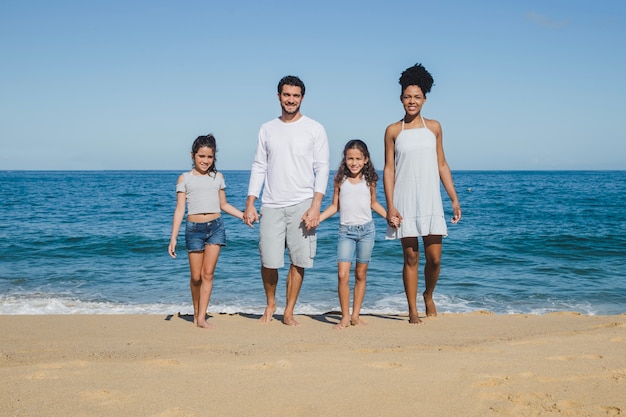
292,159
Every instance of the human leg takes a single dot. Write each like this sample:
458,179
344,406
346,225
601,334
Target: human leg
432,253
294,283
346,247
301,244
272,231
270,281
194,240
211,255
343,289
360,276
195,281
410,250
364,248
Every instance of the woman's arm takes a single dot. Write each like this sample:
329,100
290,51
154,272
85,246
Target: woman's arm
389,175
444,171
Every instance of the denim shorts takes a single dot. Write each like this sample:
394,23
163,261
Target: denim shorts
198,235
359,239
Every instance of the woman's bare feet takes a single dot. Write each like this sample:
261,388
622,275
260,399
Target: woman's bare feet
431,309
415,319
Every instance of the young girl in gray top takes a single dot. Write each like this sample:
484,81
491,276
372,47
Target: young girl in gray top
202,191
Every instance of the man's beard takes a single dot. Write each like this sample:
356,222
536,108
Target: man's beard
290,112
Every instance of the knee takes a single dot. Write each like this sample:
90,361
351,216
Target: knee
411,259
360,276
343,276
433,262
207,276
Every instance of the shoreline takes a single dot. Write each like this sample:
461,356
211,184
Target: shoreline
458,364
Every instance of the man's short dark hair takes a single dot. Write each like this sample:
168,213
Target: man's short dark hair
290,80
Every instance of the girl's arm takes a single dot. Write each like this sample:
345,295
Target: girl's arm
179,214
228,208
376,206
334,206
444,171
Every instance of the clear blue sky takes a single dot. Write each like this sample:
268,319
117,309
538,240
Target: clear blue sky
130,84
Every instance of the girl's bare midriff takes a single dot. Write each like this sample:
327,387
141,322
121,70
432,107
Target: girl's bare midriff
203,218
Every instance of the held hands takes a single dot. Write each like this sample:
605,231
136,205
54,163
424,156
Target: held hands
394,218
250,216
311,218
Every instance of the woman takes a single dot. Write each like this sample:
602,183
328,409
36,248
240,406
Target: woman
414,165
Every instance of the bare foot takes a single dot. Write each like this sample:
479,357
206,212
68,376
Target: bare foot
205,325
415,319
290,321
356,321
268,314
342,324
431,309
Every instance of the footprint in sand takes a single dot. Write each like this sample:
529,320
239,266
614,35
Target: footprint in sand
163,362
573,358
612,411
104,397
48,370
175,412
282,364
383,365
491,381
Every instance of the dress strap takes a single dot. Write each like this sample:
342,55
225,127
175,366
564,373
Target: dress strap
402,123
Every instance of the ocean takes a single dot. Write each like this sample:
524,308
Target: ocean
95,242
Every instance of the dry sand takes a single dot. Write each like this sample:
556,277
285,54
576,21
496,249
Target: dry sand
478,364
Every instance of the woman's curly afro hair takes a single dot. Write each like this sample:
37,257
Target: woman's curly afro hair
417,75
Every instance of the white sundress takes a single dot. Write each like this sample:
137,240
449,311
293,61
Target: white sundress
417,192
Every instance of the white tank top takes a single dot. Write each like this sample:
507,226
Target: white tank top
355,203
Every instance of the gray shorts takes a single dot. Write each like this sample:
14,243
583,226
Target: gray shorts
282,228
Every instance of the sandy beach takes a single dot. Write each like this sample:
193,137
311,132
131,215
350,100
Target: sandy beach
476,364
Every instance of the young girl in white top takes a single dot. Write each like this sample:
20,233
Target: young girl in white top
355,198
202,191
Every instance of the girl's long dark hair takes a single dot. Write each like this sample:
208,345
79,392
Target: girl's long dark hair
369,173
201,142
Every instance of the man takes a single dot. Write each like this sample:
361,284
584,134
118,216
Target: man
292,162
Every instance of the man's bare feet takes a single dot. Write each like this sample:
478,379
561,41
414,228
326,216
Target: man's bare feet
415,319
356,321
431,309
268,314
205,325
290,321
342,324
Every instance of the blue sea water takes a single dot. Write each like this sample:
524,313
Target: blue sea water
95,242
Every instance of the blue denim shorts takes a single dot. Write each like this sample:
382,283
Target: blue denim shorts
198,235
359,239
